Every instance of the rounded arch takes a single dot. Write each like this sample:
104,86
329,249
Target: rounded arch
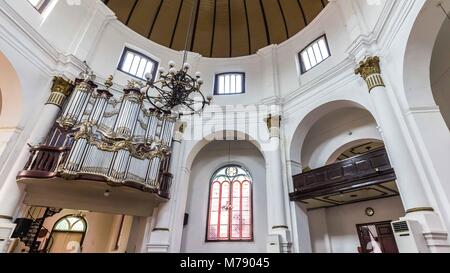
305,125
335,155
10,94
68,234
222,135
71,223
418,55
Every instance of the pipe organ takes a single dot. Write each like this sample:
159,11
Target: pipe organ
115,140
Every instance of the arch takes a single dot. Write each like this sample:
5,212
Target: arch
68,234
296,144
10,94
225,135
418,55
335,155
206,158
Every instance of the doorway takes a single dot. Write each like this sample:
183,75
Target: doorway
376,238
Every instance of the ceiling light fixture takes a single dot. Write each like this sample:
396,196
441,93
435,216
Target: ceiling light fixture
176,92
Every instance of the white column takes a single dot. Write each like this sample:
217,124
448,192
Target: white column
159,241
11,192
275,194
411,186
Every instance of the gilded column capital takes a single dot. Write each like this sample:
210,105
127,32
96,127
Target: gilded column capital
60,90
273,124
370,71
179,131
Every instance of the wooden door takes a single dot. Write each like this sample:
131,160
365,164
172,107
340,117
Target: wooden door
386,238
380,234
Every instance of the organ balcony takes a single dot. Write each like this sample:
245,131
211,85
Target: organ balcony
364,177
103,154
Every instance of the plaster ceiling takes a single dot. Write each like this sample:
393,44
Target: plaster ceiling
221,28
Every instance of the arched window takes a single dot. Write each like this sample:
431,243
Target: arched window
230,205
71,224
68,235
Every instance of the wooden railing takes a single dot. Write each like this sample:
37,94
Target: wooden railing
43,162
364,170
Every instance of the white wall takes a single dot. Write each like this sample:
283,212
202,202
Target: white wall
211,158
440,72
333,131
333,230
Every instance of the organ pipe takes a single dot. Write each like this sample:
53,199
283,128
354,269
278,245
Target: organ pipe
118,140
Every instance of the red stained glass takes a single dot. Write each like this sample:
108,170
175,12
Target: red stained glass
230,205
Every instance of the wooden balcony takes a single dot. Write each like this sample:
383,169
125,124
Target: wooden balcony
45,186
360,172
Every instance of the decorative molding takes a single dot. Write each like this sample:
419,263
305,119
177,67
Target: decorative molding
6,217
423,110
61,89
370,71
419,209
280,227
41,53
160,229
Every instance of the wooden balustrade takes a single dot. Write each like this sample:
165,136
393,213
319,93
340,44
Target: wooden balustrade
364,170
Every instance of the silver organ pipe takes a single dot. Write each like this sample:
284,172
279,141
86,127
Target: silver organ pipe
73,112
129,113
99,108
117,140
152,126
153,171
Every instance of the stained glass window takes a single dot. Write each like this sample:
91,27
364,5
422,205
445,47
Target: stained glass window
230,205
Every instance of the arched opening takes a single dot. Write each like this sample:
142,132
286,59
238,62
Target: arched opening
426,69
233,165
426,79
440,71
348,199
68,234
10,103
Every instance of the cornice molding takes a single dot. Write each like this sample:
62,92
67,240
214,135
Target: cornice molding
41,53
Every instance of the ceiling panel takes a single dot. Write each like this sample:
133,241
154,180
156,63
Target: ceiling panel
221,28
143,15
311,9
383,190
275,21
221,47
239,29
165,21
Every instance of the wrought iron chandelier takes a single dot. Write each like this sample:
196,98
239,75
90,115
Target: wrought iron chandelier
176,92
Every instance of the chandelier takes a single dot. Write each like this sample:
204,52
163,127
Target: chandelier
176,92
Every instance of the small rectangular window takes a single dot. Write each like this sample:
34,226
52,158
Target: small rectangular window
314,54
39,5
137,64
229,83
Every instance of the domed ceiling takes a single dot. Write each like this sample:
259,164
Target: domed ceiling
221,28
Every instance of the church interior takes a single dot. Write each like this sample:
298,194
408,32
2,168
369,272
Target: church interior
224,126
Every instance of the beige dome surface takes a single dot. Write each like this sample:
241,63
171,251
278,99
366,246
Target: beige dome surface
221,28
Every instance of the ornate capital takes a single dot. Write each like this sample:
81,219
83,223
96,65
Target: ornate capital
273,124
370,71
61,89
179,131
